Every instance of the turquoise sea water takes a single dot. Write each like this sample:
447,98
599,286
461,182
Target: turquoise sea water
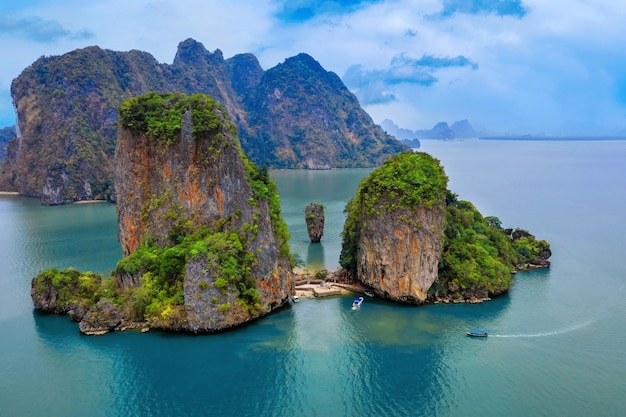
557,339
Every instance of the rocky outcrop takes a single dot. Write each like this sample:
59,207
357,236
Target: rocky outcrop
64,292
314,218
537,260
171,185
393,236
302,116
296,115
463,129
101,318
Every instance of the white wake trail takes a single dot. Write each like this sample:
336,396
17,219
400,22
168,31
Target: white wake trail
550,333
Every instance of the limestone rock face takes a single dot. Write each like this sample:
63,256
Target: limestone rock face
400,258
393,236
46,297
199,178
101,318
314,217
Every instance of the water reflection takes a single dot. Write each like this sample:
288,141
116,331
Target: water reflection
315,257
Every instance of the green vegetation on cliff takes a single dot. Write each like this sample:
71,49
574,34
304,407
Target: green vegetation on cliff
160,115
409,180
264,188
478,255
162,270
73,288
160,298
477,258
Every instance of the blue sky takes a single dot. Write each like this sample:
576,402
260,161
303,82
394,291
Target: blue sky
510,66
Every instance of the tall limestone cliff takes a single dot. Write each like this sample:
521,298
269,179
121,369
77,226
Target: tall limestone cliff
393,235
188,198
296,115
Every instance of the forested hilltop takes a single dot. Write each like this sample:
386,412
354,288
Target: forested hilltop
295,115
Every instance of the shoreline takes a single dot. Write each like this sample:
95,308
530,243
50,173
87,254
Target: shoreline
308,286
89,201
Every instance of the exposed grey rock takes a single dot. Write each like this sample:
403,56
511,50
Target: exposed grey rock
101,318
314,217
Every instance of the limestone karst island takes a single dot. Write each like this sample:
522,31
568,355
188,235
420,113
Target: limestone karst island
206,248
199,222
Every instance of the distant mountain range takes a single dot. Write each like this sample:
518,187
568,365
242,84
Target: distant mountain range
459,130
295,115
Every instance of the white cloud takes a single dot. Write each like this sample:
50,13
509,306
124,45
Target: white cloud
558,65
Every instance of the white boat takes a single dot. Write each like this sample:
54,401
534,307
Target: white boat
369,293
357,303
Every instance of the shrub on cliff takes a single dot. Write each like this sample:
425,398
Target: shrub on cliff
477,259
60,291
479,255
160,115
162,271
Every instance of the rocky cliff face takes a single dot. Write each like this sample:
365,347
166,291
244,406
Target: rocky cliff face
67,121
302,116
295,116
400,258
172,183
393,236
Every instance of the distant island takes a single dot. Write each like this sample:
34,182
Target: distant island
551,138
461,129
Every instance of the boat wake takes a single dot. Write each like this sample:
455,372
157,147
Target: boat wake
544,334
